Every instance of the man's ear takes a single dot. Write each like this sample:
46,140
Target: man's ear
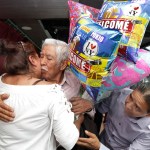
32,60
64,65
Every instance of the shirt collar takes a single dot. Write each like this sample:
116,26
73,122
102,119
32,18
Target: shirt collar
63,80
143,122
66,79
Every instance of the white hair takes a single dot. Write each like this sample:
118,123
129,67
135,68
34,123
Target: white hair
61,47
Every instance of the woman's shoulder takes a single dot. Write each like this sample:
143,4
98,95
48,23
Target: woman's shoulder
42,82
51,85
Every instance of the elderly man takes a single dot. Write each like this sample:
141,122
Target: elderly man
54,59
128,121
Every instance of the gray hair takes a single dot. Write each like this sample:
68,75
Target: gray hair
62,49
144,88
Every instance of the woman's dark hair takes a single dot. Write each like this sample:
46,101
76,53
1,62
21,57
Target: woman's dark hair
17,56
144,88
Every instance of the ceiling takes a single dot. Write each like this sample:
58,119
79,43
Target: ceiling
36,14
47,18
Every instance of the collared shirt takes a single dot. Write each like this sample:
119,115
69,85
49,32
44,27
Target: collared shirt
121,131
70,85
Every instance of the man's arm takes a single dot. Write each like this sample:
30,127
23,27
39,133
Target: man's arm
79,121
6,112
80,105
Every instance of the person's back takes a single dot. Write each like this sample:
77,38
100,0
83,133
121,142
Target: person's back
39,110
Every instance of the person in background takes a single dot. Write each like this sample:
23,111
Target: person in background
42,113
127,124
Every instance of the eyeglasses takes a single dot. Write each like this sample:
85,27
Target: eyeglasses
22,45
